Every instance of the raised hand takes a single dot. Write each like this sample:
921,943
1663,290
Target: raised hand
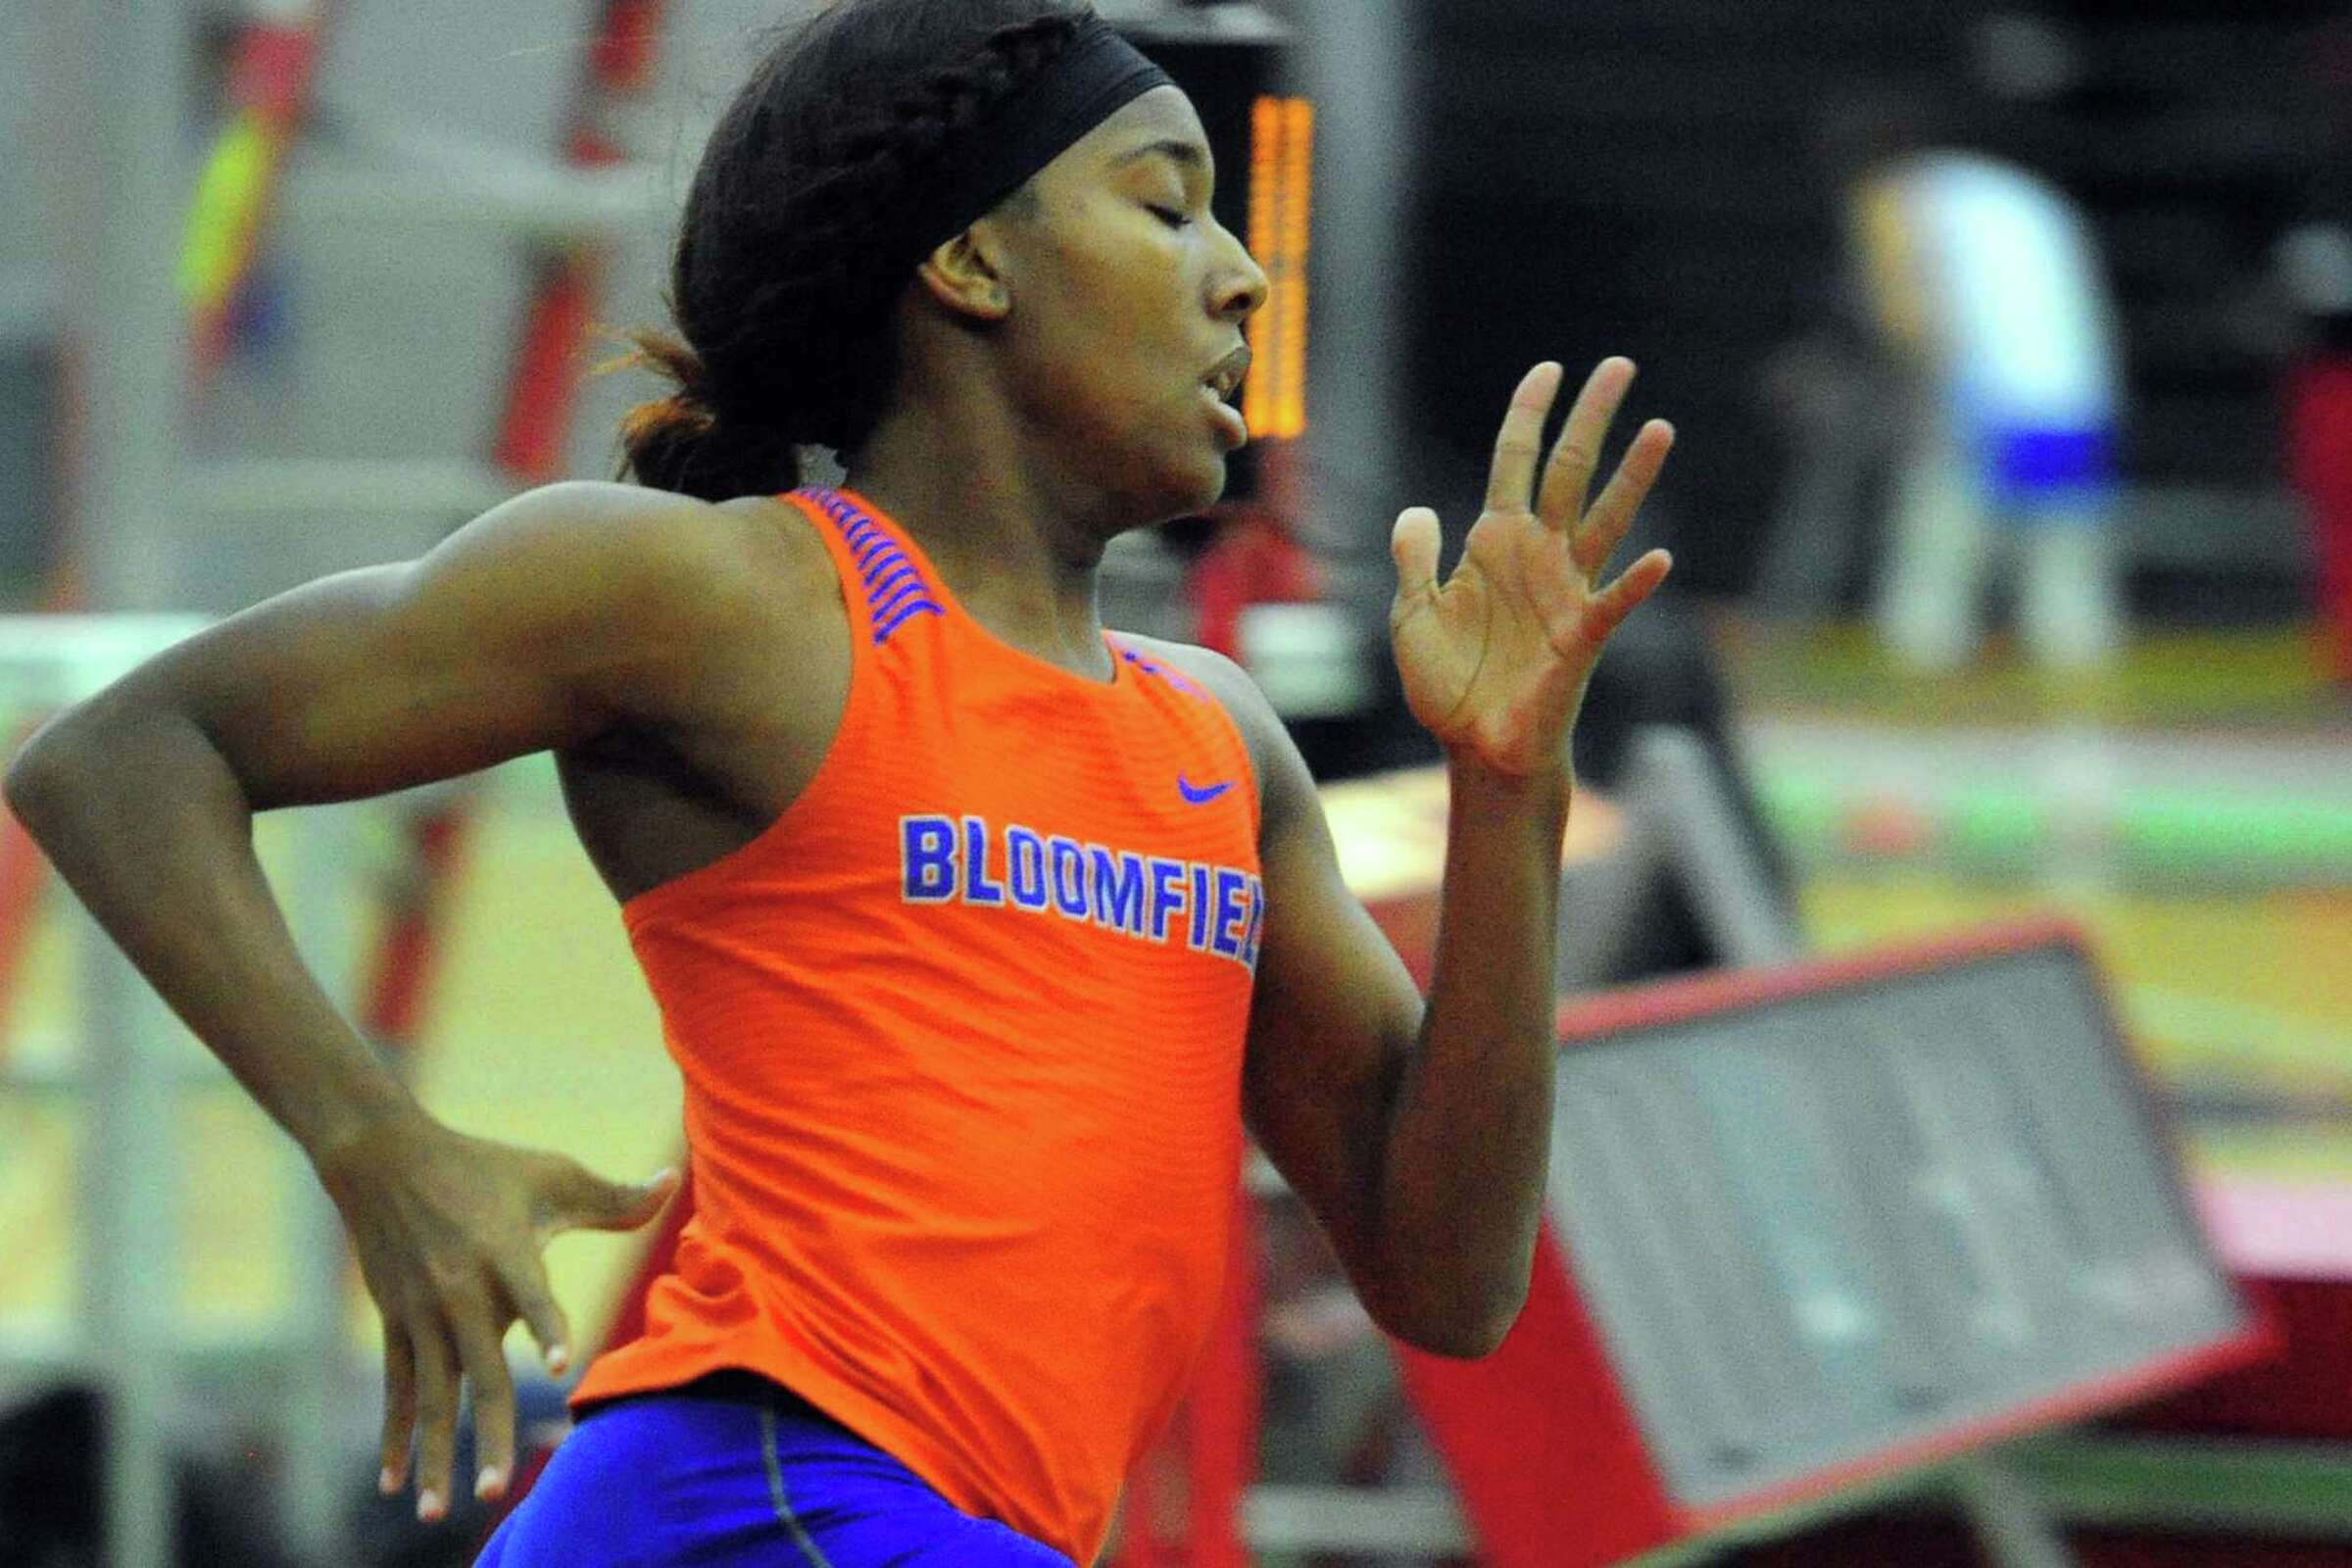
449,1232
1494,661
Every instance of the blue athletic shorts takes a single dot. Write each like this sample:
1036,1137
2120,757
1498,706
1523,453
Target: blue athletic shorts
736,1473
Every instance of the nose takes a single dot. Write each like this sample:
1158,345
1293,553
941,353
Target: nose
1240,284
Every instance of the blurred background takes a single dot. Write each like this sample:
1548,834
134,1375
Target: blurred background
2010,348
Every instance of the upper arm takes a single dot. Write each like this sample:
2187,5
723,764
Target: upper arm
535,626
1336,1013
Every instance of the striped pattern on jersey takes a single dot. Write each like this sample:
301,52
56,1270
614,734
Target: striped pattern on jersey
961,1035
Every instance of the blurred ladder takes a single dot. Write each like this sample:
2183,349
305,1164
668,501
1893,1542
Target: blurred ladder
149,340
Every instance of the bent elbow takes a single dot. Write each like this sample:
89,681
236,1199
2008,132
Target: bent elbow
34,774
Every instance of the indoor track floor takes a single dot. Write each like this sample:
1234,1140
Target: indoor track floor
2191,810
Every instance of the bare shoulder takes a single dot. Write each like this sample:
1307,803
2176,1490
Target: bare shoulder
1228,681
619,546
1282,777
651,608
569,613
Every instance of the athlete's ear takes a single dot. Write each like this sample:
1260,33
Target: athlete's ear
967,274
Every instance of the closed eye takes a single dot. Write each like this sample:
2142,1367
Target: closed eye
1174,217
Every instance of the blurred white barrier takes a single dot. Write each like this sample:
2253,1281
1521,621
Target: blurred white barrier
130,1064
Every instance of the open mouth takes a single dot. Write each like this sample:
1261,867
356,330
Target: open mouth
1226,379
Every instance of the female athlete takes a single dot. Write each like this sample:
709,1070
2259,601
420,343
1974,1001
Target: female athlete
979,932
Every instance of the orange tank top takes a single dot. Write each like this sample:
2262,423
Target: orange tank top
961,1035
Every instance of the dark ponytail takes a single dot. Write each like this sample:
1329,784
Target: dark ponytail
791,250
677,441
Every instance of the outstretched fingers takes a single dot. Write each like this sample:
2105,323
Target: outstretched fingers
1413,545
438,1371
1608,610
1519,445
525,1285
400,1406
481,1352
578,1199
1612,515
1568,476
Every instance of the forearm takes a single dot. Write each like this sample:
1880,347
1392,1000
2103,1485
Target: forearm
1469,1136
147,823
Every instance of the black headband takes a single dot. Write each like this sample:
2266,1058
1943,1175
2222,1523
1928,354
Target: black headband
1095,75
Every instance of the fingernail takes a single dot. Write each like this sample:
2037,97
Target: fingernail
388,1482
430,1507
489,1483
557,1358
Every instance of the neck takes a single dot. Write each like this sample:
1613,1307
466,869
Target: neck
1018,539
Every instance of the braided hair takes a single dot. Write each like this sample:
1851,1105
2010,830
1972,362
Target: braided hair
808,197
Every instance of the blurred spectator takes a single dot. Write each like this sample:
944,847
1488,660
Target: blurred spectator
1996,383
1984,284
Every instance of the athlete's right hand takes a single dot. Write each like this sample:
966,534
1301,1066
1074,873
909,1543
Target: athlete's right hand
448,1231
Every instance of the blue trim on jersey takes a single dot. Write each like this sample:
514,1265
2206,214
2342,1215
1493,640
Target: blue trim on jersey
894,587
919,607
1159,671
740,1481
886,558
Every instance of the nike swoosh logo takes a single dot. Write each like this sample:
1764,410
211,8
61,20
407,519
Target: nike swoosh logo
1199,796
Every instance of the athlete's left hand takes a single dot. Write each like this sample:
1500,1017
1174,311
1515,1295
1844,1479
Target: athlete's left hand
1494,661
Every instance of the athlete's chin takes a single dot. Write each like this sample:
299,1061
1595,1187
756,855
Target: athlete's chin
1195,486
1168,495
1212,486
1162,481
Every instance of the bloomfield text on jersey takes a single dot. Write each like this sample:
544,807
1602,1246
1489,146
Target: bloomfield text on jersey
1219,909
